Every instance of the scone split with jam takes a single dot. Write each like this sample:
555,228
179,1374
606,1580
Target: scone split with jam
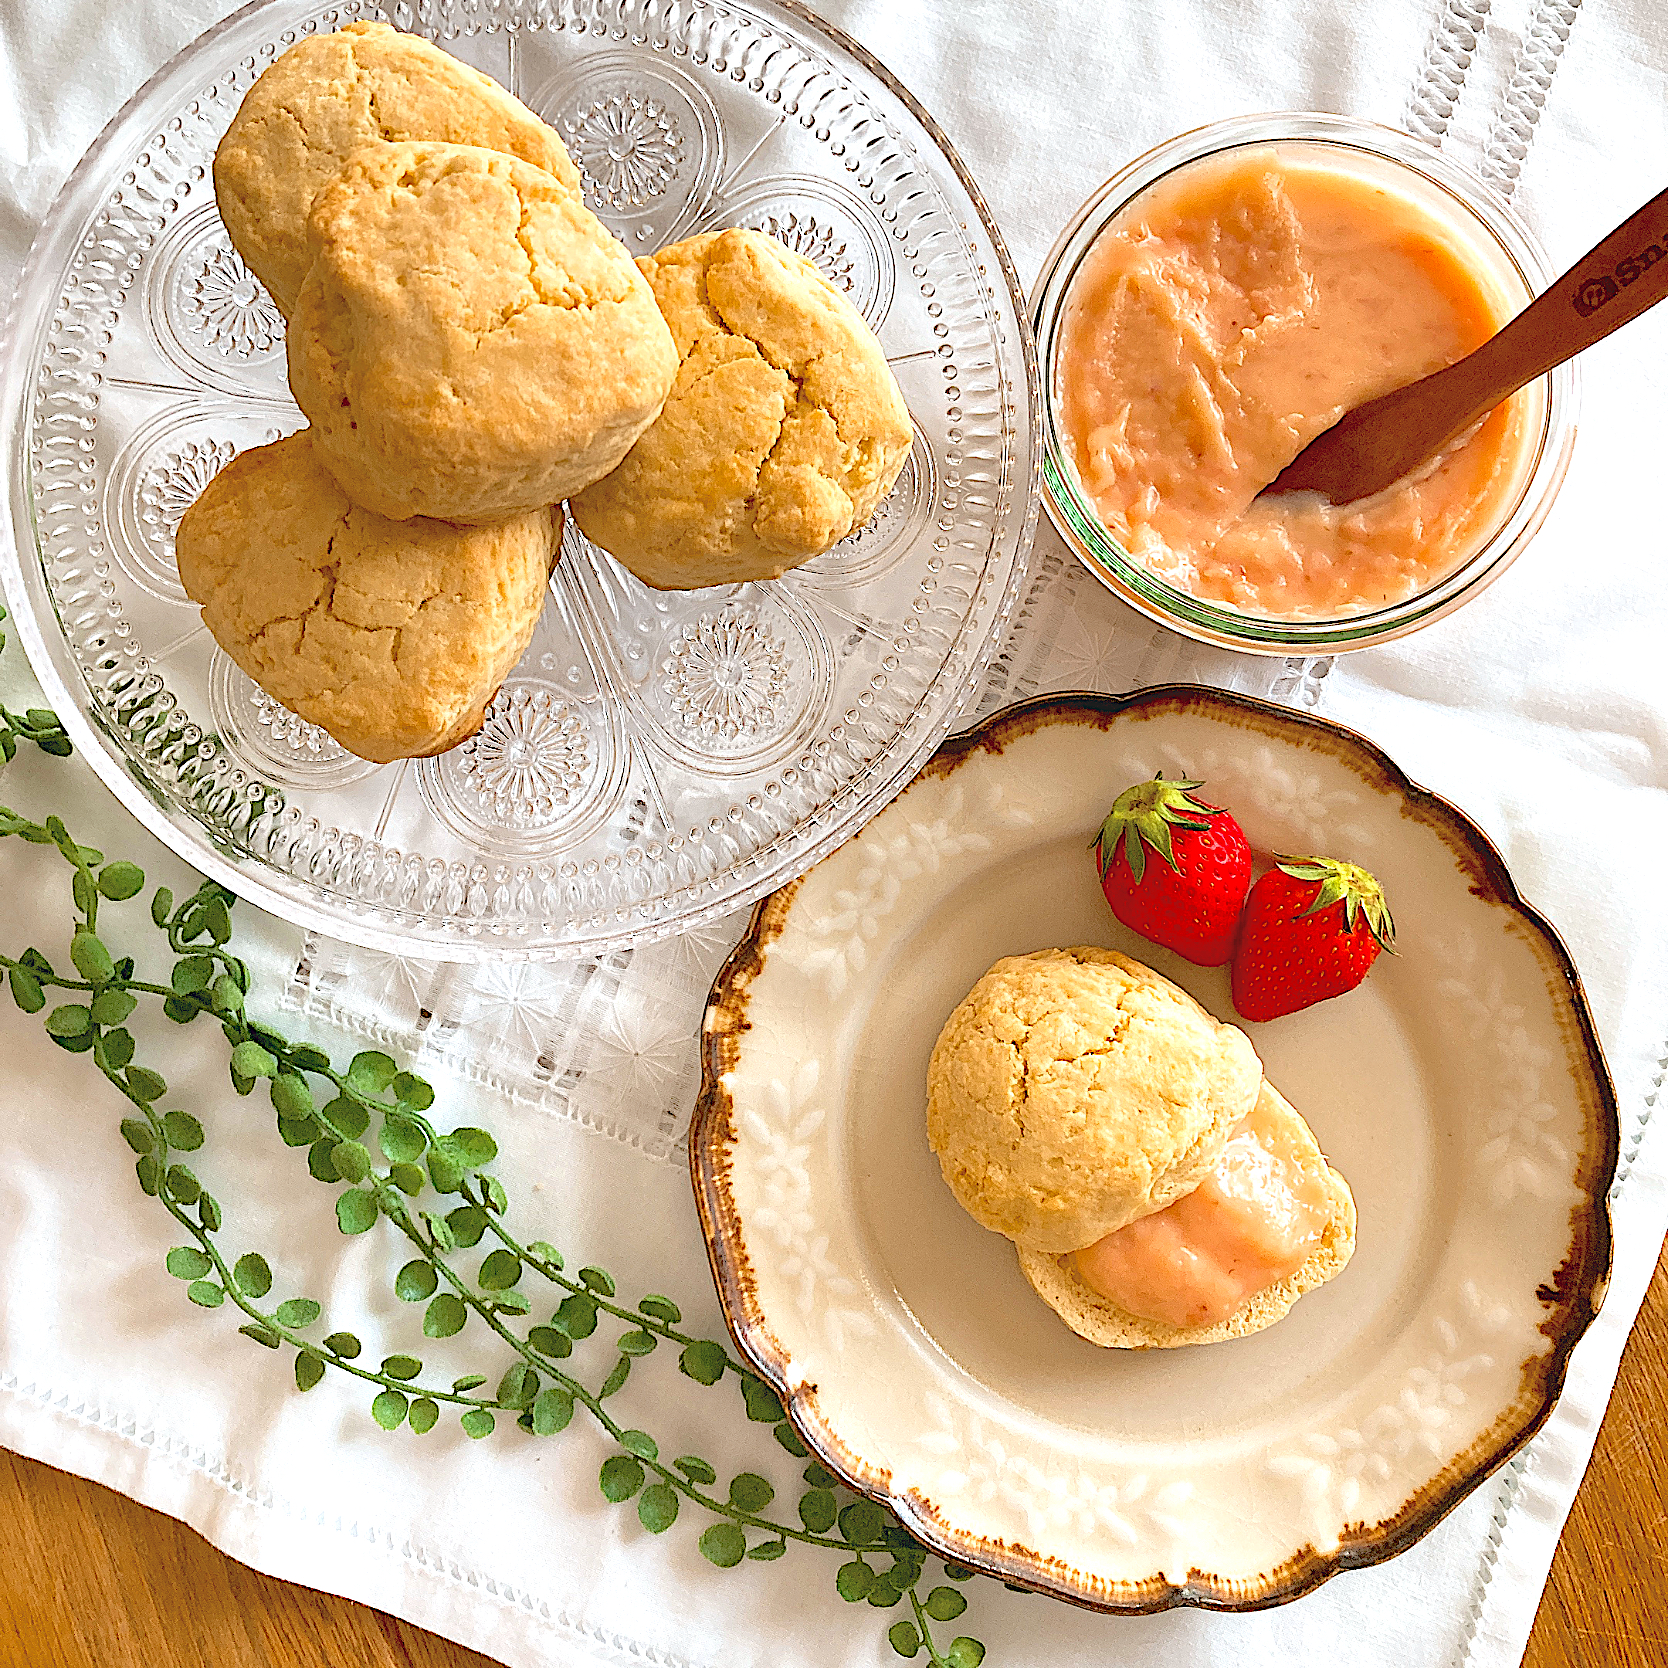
1159,1192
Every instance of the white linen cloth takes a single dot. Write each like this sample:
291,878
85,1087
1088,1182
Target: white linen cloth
1540,709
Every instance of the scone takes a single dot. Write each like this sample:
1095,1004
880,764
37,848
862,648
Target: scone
783,432
1202,1290
393,636
469,343
332,94
1072,1091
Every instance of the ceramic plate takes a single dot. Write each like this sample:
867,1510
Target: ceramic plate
1461,1090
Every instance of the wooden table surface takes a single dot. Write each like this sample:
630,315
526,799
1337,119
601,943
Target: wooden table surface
91,1580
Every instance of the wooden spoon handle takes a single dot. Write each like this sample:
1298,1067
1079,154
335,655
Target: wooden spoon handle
1609,286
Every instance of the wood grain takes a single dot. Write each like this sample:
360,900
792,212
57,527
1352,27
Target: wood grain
94,1581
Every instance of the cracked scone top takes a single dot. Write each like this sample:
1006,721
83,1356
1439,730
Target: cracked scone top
326,98
470,342
393,636
1075,1090
784,430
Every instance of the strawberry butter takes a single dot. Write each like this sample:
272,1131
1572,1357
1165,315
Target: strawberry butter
1227,315
1252,1221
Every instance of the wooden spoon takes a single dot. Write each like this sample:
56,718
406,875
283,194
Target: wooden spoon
1377,443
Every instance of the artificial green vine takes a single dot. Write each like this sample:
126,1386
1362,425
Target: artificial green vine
329,1113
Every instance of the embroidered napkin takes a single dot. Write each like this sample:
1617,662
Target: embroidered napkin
1539,704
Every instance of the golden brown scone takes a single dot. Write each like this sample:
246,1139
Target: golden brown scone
393,636
1074,1090
1056,1280
470,342
784,429
326,98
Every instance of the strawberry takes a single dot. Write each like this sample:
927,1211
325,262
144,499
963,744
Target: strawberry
1312,928
1190,902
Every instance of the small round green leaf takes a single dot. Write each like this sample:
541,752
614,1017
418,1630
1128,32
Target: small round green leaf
789,1439
297,1311
552,1410
226,996
444,1171
548,1341
138,1135
723,1544
854,1581
416,1281
347,1118
162,906
261,1333
402,1366
657,1508
401,1140
412,1091
182,1131
182,1185
861,1522
576,1315
703,1361
355,1211
477,1422
299,1133
186,1262
767,1551
291,1097
641,1444
621,1477
817,1510
111,1007
749,1492
944,1604
208,1212
26,990
638,1343
343,1344
309,1369
617,1376
960,1572
253,1276
408,1178
599,1280
207,1293
249,1059
467,1223
424,1412
662,1308
73,1019
149,1173
321,1166
763,1404
92,961
146,1085
964,1653
904,1639
696,1469
389,1409
370,1073
474,1146
500,1271
352,1160
121,880
445,1316
518,1386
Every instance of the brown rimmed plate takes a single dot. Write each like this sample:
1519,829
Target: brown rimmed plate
1461,1090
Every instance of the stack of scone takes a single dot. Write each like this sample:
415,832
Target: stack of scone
471,346
1158,1190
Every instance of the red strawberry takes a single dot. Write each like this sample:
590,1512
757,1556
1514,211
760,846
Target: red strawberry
1190,902
1312,928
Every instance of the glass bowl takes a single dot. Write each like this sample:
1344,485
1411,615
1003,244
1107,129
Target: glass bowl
1504,249
655,760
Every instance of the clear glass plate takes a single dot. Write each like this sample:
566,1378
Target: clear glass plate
654,760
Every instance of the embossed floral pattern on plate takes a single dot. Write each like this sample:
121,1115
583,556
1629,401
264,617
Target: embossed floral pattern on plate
1462,1086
